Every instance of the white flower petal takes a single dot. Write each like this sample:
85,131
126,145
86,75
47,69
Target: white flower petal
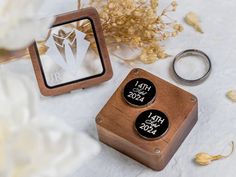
17,98
32,145
21,23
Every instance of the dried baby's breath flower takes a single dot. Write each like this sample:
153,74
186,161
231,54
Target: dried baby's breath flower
193,20
137,25
206,159
232,95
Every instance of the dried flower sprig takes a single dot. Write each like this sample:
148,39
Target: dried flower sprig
137,25
206,159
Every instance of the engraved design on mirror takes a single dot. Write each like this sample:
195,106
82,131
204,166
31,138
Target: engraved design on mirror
70,56
68,49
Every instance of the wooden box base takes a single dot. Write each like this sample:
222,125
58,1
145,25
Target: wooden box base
115,122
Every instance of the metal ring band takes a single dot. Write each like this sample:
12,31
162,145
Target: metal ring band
192,52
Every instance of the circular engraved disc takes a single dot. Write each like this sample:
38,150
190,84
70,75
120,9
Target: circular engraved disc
152,124
139,92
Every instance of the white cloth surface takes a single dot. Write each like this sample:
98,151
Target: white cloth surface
217,115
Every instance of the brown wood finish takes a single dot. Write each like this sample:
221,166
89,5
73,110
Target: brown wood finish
115,122
92,14
8,56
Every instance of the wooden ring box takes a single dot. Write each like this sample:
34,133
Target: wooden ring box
62,20
115,122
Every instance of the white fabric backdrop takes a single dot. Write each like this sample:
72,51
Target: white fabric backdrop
217,115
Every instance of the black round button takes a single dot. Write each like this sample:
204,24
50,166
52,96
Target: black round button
152,124
139,92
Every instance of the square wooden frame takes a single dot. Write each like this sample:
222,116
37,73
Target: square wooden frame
93,16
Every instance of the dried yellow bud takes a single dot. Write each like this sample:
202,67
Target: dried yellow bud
178,27
111,5
232,95
174,3
174,34
205,159
162,55
192,19
154,4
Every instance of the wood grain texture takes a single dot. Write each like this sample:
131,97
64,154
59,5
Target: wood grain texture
93,15
8,56
115,122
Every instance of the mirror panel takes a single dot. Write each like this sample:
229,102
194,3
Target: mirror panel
71,53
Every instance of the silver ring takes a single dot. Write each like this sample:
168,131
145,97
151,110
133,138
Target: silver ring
192,52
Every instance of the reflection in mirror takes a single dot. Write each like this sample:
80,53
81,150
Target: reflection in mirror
72,54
